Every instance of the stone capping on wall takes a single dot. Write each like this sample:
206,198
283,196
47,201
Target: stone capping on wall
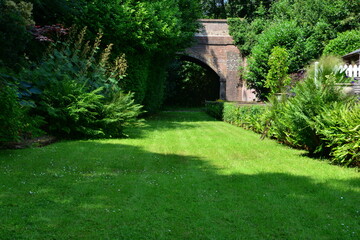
213,20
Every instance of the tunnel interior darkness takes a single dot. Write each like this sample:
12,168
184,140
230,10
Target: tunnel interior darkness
190,83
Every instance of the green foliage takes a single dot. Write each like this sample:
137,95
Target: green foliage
10,112
15,18
215,109
80,88
137,77
155,31
342,15
303,27
49,12
344,43
251,117
245,32
339,128
17,124
155,92
214,8
277,78
234,8
170,30
283,34
118,113
327,66
293,121
246,116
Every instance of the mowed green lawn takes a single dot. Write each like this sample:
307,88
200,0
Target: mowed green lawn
184,176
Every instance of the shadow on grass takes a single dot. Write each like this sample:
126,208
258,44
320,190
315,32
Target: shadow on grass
102,190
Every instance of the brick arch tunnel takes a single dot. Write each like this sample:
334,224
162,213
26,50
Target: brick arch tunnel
214,47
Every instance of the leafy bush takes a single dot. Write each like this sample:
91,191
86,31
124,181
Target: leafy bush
285,34
15,18
245,33
71,109
80,88
277,77
251,117
293,121
339,128
215,109
247,116
10,112
120,112
16,122
344,43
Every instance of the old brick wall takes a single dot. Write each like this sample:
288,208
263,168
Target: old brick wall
214,47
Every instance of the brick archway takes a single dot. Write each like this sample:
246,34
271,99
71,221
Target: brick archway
213,46
208,65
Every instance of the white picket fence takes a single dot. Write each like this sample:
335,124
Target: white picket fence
351,70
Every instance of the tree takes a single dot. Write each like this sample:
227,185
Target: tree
345,42
15,20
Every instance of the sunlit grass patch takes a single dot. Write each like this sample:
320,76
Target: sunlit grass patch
184,176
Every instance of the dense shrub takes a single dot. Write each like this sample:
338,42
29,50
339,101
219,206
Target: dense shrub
155,91
293,120
277,78
247,116
137,76
302,27
81,96
285,34
245,33
345,42
339,128
10,111
15,19
17,124
251,117
118,113
215,109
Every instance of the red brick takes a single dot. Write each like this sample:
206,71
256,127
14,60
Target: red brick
214,47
